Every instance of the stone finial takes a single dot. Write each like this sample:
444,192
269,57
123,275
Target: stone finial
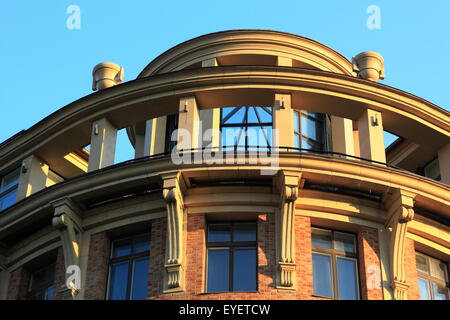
105,75
369,65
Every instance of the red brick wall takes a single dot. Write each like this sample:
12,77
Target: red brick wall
60,275
267,267
369,264
97,268
411,271
157,257
18,284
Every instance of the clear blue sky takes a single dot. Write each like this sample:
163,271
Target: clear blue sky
45,66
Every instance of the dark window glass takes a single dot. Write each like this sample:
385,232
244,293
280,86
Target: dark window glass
232,258
433,278
8,188
246,128
244,269
346,276
128,268
40,286
335,261
218,270
322,276
171,126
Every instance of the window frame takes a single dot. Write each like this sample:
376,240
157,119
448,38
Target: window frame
171,125
335,254
11,188
298,134
430,279
245,125
43,287
130,258
231,246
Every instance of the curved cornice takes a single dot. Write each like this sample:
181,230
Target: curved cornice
69,128
147,171
259,42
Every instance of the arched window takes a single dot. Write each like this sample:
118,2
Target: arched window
246,128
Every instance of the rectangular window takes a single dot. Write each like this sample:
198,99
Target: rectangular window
433,278
40,286
309,130
335,264
128,268
8,188
231,257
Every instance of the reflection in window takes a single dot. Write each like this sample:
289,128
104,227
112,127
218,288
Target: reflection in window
246,128
335,264
40,286
128,268
8,189
309,130
231,257
433,278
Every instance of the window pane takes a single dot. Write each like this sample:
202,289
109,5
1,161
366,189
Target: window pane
440,293
121,249
322,281
421,263
218,271
140,279
244,269
118,281
347,284
437,269
10,180
233,115
219,233
8,199
49,293
297,141
142,244
310,145
424,289
264,115
244,232
312,129
344,242
321,238
296,121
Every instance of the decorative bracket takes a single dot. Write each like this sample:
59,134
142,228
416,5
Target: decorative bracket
288,194
68,221
173,197
400,209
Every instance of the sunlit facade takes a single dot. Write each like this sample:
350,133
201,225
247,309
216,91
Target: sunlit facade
260,172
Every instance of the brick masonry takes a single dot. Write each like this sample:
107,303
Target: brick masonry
18,284
97,268
411,270
369,262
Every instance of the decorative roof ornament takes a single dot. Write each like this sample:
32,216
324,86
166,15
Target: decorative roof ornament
369,65
105,75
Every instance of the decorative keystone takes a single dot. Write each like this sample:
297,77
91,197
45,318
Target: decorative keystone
369,65
105,75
